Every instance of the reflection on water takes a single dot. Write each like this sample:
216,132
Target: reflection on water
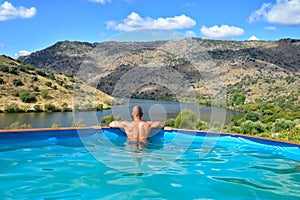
153,110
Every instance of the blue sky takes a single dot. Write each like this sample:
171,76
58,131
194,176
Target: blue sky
31,25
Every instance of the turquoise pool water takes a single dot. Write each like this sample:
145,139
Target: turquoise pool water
175,165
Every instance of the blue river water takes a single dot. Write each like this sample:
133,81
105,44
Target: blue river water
153,110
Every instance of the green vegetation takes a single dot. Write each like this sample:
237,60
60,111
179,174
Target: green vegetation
109,118
44,93
17,125
49,107
17,82
27,97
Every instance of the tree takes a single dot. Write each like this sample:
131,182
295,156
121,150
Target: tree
237,99
186,119
253,128
282,124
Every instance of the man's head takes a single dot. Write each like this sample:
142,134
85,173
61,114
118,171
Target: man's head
137,112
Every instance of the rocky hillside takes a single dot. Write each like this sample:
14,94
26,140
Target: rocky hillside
257,69
24,88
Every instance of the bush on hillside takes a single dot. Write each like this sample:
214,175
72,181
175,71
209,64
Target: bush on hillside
27,97
17,82
11,108
49,107
44,93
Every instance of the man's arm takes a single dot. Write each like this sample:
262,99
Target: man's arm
119,124
157,124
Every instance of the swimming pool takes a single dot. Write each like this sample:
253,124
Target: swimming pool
58,164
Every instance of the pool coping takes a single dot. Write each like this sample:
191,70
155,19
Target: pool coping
259,139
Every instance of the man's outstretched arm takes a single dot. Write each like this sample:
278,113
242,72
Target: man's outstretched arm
118,124
157,124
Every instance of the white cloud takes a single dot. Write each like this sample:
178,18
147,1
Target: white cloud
253,38
270,28
222,32
100,1
1,45
8,11
190,34
134,21
22,53
284,12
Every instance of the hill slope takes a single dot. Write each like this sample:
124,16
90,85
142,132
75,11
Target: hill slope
257,69
24,88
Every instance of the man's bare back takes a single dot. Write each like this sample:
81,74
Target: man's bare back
137,130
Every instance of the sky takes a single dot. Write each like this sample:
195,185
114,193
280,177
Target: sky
31,25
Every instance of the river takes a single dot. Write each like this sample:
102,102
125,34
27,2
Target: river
153,110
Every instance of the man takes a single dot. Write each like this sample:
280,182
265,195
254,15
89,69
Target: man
137,131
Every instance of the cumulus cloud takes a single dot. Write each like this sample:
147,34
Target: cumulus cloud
190,34
284,12
135,21
222,32
22,53
8,11
253,38
100,1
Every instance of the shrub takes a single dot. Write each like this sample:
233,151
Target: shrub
48,84
27,97
37,108
34,78
60,82
99,107
44,93
202,125
78,123
68,87
49,107
56,125
40,72
25,108
109,118
4,68
17,125
51,76
186,119
282,124
36,88
64,107
17,82
251,127
13,70
251,116
11,108
1,81
170,122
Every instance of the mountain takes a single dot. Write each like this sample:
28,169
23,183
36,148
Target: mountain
24,88
181,68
